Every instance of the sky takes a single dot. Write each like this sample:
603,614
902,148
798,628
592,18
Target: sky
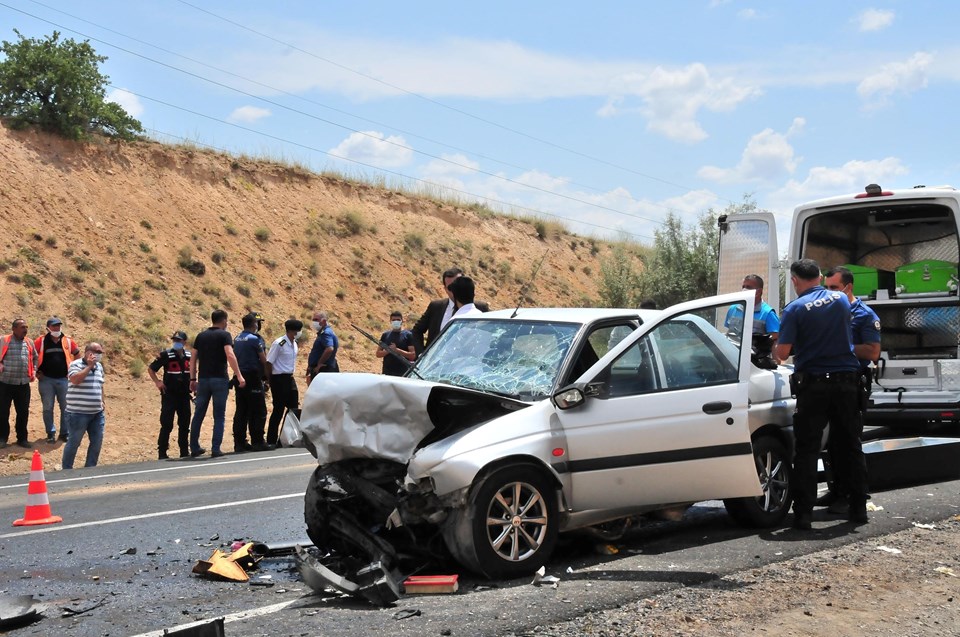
603,116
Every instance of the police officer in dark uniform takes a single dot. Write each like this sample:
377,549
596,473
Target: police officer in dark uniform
865,328
251,412
815,328
174,394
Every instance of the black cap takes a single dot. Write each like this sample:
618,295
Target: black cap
179,335
53,320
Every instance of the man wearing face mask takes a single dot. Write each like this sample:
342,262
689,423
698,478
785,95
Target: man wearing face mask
85,413
400,341
55,351
251,412
323,355
281,363
174,394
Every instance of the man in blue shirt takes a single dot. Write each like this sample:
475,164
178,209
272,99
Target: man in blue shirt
865,328
815,328
323,354
765,319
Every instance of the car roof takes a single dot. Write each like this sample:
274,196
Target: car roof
582,315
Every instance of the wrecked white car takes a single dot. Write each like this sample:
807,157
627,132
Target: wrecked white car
515,426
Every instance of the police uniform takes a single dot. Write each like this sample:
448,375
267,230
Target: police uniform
251,409
817,326
865,328
175,399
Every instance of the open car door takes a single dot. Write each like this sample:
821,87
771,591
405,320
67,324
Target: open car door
664,417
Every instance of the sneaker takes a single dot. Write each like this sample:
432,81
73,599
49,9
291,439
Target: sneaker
199,452
217,454
25,444
802,521
51,438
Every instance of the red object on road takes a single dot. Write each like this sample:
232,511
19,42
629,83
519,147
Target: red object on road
38,504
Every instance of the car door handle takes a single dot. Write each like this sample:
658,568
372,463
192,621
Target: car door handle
719,407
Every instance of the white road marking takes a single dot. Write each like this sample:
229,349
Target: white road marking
128,518
184,465
227,619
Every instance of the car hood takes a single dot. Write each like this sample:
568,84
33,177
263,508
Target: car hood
387,417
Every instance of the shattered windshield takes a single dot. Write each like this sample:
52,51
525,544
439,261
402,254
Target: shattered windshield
520,359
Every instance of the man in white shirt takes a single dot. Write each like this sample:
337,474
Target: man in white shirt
462,289
280,367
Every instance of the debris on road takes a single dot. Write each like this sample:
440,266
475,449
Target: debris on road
372,581
920,525
945,570
232,567
19,610
888,549
77,609
540,578
431,584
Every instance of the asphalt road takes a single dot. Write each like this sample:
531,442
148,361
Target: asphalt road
174,513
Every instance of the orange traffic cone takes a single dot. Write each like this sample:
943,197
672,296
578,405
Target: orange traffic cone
38,505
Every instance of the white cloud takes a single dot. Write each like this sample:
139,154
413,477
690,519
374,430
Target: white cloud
247,114
373,148
450,165
768,156
672,98
874,19
823,181
127,100
747,14
896,77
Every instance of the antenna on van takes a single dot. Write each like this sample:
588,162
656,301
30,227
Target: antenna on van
523,290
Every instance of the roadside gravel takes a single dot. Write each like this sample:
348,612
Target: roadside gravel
902,584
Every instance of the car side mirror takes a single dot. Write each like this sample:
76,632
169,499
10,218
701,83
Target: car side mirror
568,398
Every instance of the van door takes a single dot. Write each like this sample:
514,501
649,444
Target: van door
748,245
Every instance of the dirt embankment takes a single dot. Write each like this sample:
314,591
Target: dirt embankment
129,242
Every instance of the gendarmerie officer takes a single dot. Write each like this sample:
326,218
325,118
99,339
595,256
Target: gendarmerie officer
815,328
174,394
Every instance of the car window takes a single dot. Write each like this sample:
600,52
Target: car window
600,341
685,351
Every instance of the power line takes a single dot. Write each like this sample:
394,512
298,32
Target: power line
342,126
443,187
441,104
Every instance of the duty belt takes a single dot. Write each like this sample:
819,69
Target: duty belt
833,377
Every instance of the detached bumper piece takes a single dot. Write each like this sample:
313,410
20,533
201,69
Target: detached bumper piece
363,546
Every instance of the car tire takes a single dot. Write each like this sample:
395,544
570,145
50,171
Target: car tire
775,473
496,538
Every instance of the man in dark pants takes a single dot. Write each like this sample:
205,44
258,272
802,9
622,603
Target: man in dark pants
174,394
251,412
323,355
18,364
865,328
281,364
816,328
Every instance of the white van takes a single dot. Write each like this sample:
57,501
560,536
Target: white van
902,246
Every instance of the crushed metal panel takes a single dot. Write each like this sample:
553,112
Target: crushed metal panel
365,416
319,577
19,610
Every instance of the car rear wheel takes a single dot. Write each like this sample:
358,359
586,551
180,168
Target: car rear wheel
509,527
774,470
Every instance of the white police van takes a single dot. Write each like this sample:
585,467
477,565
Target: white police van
903,248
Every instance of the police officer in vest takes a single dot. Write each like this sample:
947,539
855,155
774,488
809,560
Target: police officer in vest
815,328
174,394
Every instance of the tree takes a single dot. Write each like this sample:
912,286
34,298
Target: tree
57,86
619,281
684,262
